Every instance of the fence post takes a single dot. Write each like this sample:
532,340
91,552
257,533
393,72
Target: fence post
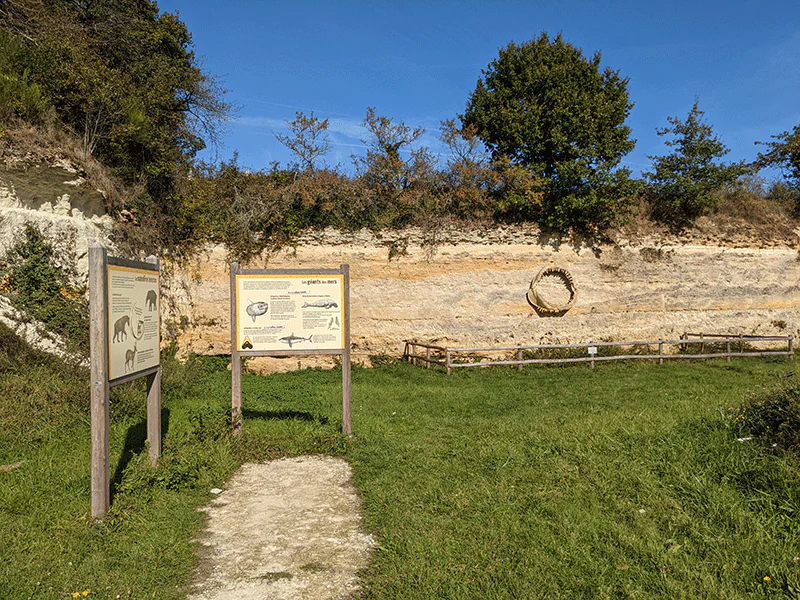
414,352
791,348
519,358
741,344
591,362
447,360
661,352
702,344
427,357
728,349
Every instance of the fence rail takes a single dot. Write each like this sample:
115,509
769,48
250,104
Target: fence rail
453,358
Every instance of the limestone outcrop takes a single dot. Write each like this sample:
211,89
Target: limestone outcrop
470,290
51,193
456,286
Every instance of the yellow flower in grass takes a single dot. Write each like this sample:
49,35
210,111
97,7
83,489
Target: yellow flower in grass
767,578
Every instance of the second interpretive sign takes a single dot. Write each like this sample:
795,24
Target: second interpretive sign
133,320
289,312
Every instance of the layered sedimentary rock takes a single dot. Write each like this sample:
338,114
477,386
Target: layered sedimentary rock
469,289
53,195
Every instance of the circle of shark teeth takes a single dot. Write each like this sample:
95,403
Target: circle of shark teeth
543,305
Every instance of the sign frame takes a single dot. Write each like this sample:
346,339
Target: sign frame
141,267
237,354
101,384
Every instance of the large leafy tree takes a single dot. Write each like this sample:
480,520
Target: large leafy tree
682,183
545,106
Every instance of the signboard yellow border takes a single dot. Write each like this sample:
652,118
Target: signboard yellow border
297,330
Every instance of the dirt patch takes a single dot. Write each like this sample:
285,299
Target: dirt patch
286,529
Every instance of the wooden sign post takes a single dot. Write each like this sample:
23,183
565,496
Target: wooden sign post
124,344
290,312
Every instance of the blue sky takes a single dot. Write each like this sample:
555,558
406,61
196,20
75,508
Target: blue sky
418,61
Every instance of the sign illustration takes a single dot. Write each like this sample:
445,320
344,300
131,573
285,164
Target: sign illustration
289,312
133,320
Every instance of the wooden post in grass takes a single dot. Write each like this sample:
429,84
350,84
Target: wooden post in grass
661,352
519,358
791,348
728,350
100,416
347,427
236,360
427,357
447,360
154,401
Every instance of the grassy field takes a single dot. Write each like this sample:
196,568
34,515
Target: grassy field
623,482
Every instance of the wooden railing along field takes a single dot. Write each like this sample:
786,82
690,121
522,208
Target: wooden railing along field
709,346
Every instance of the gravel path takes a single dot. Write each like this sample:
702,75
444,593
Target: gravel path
284,530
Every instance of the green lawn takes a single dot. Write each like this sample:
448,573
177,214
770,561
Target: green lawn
622,482
626,481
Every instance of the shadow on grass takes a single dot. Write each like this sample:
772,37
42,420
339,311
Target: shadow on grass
134,444
288,415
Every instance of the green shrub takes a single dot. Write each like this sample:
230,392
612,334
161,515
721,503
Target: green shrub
773,414
41,279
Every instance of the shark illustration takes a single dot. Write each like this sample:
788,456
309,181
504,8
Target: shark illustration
293,339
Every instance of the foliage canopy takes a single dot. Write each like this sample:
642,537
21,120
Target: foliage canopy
121,75
682,183
784,153
544,106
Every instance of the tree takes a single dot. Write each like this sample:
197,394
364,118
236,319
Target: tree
682,184
307,138
783,153
124,77
398,185
383,167
544,106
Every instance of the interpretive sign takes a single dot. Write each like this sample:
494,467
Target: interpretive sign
133,320
124,339
289,312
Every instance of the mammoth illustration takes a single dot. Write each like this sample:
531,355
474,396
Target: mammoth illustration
150,300
119,329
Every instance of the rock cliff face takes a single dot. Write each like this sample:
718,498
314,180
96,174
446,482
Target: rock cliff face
470,290
455,287
50,192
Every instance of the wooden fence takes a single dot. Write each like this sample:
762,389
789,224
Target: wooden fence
709,346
